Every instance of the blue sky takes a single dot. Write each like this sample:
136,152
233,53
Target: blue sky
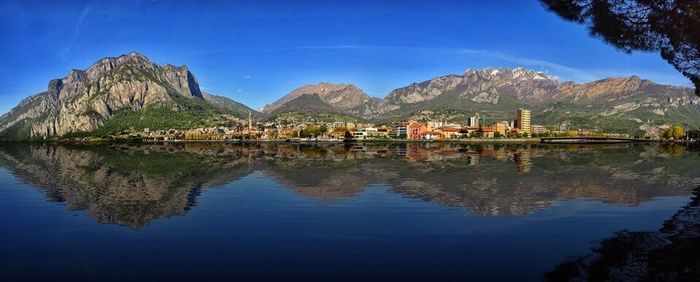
257,51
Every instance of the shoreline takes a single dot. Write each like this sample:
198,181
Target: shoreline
259,141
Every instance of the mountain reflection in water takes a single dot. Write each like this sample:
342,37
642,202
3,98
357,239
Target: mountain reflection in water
133,185
670,254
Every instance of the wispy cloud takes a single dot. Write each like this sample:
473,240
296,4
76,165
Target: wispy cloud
76,31
552,68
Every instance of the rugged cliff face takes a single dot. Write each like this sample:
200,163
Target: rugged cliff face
85,99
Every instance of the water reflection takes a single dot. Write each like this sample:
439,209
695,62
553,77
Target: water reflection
670,254
133,185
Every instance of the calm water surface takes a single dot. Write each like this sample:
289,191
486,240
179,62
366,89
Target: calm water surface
362,212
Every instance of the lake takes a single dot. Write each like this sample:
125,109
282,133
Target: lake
406,211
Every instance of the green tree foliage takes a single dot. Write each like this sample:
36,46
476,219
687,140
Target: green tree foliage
313,131
678,132
667,26
674,132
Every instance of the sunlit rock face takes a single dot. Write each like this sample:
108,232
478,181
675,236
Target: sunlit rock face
85,99
134,185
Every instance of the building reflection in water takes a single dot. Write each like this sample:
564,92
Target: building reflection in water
133,185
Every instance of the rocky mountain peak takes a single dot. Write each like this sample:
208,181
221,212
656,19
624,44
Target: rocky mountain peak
518,73
85,99
339,96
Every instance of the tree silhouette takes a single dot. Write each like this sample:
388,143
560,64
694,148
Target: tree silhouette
671,27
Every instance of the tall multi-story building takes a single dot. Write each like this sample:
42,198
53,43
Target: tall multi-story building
524,120
250,121
400,130
473,121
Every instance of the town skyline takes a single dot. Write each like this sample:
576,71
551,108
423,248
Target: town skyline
131,93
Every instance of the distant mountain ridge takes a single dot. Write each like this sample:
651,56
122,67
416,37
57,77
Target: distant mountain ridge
130,91
609,104
338,96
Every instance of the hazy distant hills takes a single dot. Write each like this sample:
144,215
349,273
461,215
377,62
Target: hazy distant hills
131,92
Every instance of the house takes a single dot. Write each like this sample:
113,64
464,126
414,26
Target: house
488,132
431,135
370,133
450,132
415,129
538,129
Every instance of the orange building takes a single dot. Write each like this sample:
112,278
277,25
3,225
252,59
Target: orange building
415,129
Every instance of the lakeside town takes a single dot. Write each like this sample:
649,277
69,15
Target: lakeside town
520,128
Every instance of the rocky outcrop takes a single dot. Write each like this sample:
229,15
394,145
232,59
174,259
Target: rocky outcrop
85,99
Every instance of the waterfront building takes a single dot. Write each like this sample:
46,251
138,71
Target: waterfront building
538,129
488,132
415,129
499,127
450,132
431,135
473,121
524,121
370,133
400,130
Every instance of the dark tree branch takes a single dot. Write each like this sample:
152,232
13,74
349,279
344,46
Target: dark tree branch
670,27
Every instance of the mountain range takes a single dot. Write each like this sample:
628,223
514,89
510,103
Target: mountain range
130,92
